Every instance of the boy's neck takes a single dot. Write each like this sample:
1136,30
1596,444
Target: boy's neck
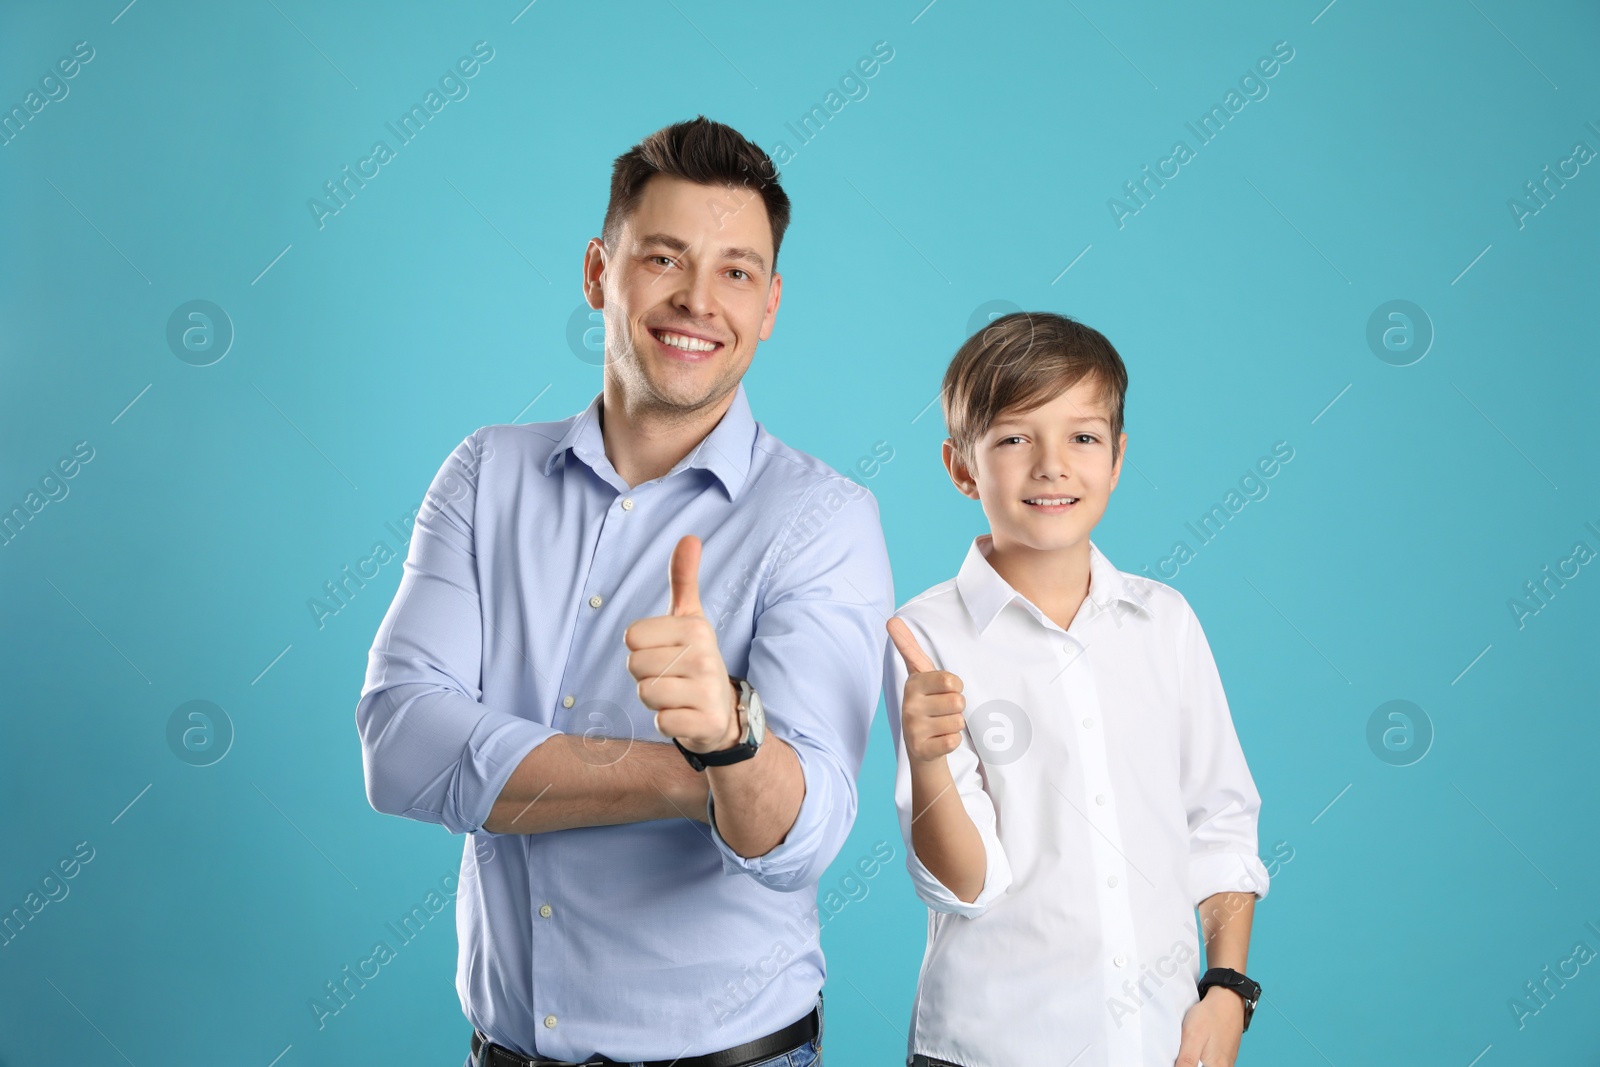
1056,581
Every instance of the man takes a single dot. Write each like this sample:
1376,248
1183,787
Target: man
654,779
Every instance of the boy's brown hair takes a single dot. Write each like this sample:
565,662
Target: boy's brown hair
699,151
1023,360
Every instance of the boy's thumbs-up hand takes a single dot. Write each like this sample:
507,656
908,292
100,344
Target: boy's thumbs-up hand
931,717
679,668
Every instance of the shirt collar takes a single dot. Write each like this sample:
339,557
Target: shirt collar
725,451
985,593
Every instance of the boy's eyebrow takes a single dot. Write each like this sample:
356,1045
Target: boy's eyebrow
1016,420
677,244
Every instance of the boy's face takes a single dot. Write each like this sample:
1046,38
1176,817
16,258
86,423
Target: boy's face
1044,476
692,265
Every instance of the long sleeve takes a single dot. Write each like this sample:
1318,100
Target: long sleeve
1219,794
430,750
814,660
964,770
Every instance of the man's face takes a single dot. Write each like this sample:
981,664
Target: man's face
687,292
1044,476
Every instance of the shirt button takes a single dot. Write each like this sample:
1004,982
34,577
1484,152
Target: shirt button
1112,882
1120,960
1088,722
627,503
567,701
544,909
550,1022
1100,798
595,601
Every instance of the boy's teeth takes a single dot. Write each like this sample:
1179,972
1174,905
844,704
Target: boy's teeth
1052,500
688,344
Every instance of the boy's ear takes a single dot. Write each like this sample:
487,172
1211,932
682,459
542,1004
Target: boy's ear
1116,468
960,475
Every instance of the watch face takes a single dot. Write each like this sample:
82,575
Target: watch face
756,718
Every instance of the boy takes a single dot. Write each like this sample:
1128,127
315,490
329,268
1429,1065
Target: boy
1069,783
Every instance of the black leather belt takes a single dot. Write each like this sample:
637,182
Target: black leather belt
486,1053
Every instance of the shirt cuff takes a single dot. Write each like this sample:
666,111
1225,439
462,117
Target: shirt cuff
783,866
497,746
936,895
1226,872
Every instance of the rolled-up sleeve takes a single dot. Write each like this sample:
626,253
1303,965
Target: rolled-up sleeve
814,659
964,771
1219,794
431,751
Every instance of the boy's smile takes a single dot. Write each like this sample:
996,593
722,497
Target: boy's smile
1044,478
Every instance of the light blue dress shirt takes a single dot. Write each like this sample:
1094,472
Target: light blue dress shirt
529,558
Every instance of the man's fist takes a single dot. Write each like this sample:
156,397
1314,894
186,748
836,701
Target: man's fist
930,712
679,668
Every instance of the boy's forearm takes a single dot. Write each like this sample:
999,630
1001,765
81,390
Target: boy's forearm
570,781
942,833
1225,923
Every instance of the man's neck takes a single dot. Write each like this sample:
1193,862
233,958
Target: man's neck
643,441
1056,582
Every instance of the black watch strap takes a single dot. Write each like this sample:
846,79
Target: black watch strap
720,758
1228,978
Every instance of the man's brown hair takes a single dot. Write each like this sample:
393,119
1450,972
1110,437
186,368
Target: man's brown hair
699,151
1023,360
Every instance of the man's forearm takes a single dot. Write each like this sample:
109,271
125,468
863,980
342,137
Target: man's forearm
1225,922
569,781
942,833
758,800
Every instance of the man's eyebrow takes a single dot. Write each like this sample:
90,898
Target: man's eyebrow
677,244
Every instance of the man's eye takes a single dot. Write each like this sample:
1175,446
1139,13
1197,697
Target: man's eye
665,261
742,274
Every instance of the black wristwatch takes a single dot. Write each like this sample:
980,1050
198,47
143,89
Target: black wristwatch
754,720
1229,978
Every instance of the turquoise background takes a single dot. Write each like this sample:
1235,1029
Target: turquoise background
1421,894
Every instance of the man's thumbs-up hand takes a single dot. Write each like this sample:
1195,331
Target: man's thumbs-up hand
679,668
931,717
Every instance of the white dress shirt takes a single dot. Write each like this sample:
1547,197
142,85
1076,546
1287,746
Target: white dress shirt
1101,768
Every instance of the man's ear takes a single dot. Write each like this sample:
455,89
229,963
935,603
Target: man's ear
959,473
774,294
594,265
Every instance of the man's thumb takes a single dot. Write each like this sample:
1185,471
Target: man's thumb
683,575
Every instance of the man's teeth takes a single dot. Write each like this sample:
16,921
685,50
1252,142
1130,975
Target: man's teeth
1049,501
688,344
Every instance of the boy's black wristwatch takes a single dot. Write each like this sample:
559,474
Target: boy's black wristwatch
1229,978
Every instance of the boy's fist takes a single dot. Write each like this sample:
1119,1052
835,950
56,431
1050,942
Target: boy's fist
930,712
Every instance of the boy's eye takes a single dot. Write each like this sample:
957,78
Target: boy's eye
1013,437
1090,436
